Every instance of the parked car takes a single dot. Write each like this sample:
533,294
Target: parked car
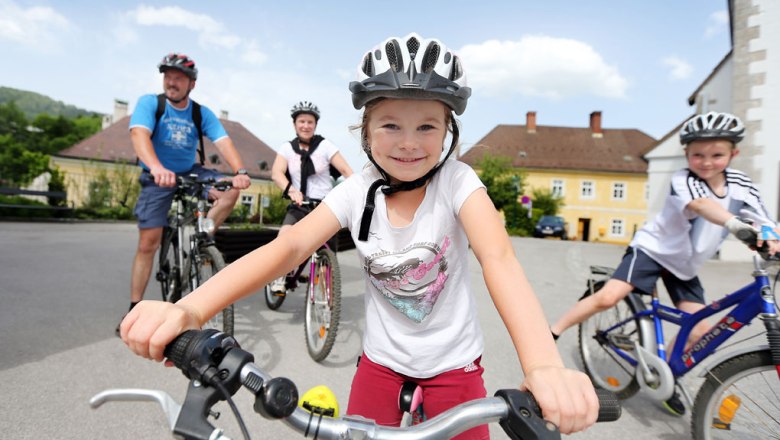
551,226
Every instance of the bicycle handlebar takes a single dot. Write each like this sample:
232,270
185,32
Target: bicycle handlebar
193,180
218,367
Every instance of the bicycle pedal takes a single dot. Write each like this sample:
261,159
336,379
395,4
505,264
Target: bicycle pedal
622,342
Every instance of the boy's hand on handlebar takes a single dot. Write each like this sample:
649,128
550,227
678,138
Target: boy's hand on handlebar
566,397
151,325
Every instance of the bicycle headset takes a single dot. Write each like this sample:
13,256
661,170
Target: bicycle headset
305,107
408,68
712,125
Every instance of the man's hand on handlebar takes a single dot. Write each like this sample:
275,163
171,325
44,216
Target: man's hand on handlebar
152,325
566,397
241,181
163,176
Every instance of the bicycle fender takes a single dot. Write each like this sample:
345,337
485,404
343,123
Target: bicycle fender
717,358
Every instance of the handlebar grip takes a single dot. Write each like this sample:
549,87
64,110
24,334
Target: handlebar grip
176,351
609,406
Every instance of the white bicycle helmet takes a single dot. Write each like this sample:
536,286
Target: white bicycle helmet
305,107
712,125
411,67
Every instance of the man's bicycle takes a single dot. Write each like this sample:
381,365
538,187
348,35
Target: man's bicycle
323,297
188,256
217,368
623,351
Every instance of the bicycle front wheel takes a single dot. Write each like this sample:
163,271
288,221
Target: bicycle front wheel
168,271
605,367
323,305
740,399
203,266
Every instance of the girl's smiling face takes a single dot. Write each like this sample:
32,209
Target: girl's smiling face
406,136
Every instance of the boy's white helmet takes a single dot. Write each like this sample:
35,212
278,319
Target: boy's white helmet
414,68
712,125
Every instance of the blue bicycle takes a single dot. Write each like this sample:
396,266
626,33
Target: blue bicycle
623,350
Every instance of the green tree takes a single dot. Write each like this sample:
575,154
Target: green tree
546,202
18,166
504,184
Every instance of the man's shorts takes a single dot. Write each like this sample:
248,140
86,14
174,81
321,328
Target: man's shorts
154,202
642,272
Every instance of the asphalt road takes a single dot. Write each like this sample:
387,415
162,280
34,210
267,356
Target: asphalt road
64,286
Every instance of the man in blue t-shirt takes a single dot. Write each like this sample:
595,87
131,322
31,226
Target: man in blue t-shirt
167,148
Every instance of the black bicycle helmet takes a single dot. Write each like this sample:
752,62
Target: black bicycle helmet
712,125
408,68
305,107
179,62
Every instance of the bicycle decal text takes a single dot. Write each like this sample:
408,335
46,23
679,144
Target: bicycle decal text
729,323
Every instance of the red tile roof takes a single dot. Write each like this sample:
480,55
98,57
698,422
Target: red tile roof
113,144
617,150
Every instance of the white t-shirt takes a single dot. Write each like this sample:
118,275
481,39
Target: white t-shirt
420,314
319,183
679,239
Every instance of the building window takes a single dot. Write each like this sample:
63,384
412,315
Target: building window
248,200
618,228
587,189
557,188
618,191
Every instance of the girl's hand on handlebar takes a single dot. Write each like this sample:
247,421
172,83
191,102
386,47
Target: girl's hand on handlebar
295,196
151,325
566,397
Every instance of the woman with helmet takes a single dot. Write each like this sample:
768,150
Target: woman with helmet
413,215
302,169
705,198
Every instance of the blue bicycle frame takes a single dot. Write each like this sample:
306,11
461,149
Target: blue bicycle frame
750,301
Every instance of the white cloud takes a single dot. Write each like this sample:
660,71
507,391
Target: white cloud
541,66
717,23
210,32
34,27
679,69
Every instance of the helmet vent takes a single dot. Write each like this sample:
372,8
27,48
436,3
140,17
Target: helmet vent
457,69
394,57
368,65
413,45
430,58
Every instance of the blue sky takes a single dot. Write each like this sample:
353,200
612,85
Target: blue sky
635,61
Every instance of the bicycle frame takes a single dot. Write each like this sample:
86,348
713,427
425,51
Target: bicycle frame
313,274
752,300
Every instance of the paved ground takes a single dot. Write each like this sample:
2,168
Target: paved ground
64,287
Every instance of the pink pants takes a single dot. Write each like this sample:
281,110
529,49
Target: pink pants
375,390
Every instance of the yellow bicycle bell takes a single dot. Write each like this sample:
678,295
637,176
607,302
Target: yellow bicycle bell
320,400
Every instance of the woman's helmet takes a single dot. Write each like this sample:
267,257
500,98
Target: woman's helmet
305,107
712,125
408,68
413,68
179,62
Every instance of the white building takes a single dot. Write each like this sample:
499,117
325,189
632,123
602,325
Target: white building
746,83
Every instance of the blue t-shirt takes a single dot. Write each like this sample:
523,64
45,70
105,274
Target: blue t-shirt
176,139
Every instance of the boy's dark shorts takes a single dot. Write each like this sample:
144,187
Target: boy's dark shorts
641,271
154,202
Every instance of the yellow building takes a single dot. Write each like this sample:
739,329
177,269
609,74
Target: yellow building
600,173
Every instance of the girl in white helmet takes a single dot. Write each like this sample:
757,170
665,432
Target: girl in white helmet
413,216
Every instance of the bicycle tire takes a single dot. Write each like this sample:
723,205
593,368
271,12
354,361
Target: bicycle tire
323,310
605,368
753,379
168,273
210,261
272,300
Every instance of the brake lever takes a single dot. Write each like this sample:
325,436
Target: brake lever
170,407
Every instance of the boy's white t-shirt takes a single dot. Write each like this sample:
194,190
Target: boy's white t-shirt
420,314
679,239
320,183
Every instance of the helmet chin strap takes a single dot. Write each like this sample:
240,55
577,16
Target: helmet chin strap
388,189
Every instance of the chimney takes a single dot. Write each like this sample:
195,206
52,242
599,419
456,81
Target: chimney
223,114
595,124
120,110
530,122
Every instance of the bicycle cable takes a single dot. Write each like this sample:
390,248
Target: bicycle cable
221,388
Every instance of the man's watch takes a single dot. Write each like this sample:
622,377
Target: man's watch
241,172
